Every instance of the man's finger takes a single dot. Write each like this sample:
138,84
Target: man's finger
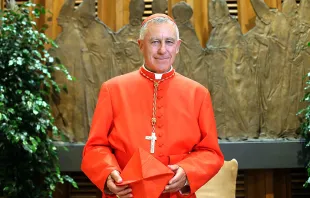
174,167
124,192
126,196
113,187
178,176
116,176
173,187
116,188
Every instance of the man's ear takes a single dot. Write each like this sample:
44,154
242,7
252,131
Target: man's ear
178,45
140,43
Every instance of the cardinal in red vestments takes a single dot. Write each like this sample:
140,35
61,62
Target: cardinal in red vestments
159,111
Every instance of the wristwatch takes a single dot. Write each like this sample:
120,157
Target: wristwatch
186,183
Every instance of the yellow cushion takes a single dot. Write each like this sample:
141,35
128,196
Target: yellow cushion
223,184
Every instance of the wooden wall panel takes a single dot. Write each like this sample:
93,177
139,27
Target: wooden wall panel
240,185
246,15
106,12
297,179
56,29
257,183
125,11
49,19
115,14
201,21
282,184
269,180
1,4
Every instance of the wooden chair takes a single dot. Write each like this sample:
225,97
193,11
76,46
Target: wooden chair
223,184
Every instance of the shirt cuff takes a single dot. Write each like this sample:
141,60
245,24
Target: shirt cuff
186,189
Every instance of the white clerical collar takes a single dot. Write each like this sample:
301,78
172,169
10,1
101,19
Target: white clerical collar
157,76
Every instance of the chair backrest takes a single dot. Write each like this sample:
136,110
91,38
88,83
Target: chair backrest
223,184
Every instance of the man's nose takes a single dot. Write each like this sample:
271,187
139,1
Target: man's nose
162,49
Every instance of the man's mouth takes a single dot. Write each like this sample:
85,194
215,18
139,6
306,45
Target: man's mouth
162,58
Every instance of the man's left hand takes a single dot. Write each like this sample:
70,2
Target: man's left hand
178,181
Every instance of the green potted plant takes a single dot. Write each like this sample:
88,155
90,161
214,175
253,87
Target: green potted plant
29,165
305,125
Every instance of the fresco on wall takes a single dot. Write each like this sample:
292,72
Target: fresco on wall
255,79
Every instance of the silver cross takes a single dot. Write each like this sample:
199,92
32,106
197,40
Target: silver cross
152,138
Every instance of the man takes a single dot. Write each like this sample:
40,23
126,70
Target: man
154,103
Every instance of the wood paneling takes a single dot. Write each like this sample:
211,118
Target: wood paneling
260,183
297,179
255,184
247,16
282,184
240,188
1,4
115,14
86,188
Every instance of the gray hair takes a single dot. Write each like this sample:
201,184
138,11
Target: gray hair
157,20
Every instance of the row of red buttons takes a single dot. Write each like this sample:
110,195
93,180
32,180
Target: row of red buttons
160,125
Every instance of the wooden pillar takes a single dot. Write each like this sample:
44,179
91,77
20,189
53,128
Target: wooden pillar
112,13
201,21
246,15
255,184
48,19
125,17
122,13
259,183
2,4
62,190
282,184
106,12
269,184
99,194
55,28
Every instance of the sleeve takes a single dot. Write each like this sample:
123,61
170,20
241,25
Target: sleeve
98,160
206,158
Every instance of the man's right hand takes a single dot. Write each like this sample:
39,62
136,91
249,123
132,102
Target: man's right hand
120,191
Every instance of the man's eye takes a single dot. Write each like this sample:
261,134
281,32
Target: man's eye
155,42
169,42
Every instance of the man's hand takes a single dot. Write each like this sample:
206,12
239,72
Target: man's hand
178,181
120,191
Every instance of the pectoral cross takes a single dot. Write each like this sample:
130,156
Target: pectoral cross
152,138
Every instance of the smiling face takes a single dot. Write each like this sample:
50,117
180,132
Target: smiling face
159,46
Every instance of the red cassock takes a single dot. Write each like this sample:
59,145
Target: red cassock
185,128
